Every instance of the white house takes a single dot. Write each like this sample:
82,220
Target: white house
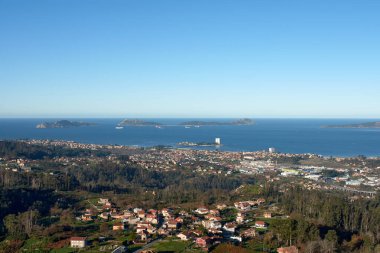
78,242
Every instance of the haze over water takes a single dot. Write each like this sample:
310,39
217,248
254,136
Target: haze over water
286,135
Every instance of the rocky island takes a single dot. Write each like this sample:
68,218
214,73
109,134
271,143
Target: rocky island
63,124
239,122
375,124
138,122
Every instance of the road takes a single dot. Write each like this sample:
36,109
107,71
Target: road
147,246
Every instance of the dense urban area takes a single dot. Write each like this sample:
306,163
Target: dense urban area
59,196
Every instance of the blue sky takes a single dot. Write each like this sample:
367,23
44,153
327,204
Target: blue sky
194,58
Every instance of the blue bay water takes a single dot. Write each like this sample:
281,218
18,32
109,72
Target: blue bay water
286,135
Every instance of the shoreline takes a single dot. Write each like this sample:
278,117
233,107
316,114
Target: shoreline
75,144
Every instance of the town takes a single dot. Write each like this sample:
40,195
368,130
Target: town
359,174
240,200
202,227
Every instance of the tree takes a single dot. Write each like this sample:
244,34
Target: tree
67,217
14,227
331,236
28,220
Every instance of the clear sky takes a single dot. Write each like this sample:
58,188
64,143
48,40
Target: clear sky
190,58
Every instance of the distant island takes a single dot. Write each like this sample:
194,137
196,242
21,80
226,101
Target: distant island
138,122
63,124
239,122
360,125
195,123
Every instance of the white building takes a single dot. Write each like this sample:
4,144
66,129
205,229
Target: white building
78,242
272,150
217,141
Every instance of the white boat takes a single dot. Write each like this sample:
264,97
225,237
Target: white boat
187,126
119,127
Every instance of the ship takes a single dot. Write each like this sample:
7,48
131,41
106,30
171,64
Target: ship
119,127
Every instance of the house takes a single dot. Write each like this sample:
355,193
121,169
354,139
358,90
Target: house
142,237
118,226
104,215
152,218
214,212
230,227
78,242
215,218
261,224
236,238
267,215
127,214
243,206
86,217
202,241
133,220
260,201
196,232
202,211
142,227
221,206
214,231
116,215
291,249
211,224
162,231
184,236
107,206
179,220
240,218
249,233
141,214
165,212
172,224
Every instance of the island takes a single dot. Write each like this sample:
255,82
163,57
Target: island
63,124
238,122
375,124
138,122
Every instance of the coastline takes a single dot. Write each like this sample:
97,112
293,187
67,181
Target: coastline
286,135
81,145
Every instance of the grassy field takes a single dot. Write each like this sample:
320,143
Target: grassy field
172,246
34,245
64,250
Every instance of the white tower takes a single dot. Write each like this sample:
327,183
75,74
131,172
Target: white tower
217,141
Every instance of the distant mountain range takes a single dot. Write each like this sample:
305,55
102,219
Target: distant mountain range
375,124
63,124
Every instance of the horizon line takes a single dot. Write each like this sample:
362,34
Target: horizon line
183,117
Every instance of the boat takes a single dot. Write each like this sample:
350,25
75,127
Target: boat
157,126
187,126
119,127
